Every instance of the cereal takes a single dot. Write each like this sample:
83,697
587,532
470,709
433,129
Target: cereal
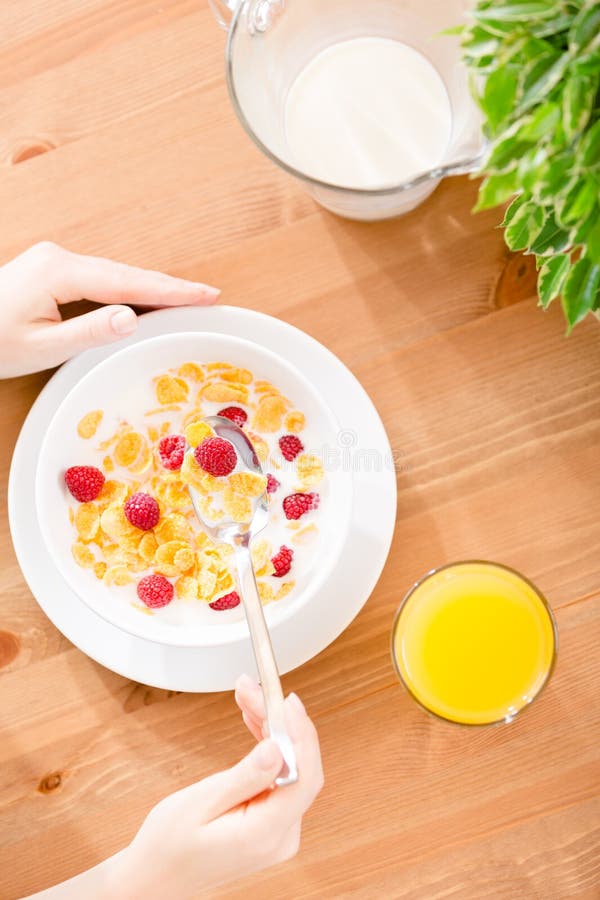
310,470
100,569
88,425
248,484
196,432
269,415
199,569
224,393
285,589
294,421
304,535
118,575
128,448
236,506
192,371
83,556
186,587
87,521
171,390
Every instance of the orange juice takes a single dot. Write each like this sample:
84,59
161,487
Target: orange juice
474,642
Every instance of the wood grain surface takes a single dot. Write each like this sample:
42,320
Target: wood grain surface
117,138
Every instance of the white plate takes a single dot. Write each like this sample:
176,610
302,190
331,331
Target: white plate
363,447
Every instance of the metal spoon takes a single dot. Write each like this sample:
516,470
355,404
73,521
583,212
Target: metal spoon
240,538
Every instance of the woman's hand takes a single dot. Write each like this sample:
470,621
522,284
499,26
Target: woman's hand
230,824
34,285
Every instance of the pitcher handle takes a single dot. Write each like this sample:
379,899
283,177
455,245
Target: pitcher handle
223,11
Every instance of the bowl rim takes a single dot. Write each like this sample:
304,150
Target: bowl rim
240,628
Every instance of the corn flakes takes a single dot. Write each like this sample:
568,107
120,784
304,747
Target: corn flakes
237,507
196,432
171,390
191,371
118,575
87,521
100,569
186,587
128,448
88,425
83,556
294,421
309,469
306,534
269,414
219,392
248,484
107,464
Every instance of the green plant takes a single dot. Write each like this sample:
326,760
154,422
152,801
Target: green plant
535,69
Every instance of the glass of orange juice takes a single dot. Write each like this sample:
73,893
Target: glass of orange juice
474,642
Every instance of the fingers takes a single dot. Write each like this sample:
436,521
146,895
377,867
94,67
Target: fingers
288,804
74,277
253,775
52,344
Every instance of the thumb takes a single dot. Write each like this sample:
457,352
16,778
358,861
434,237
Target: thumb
254,774
57,342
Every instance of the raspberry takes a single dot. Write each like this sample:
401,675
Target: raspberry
155,591
171,450
295,505
84,482
216,456
235,414
142,511
290,446
227,601
282,561
272,484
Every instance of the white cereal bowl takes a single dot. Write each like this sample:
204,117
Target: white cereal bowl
122,386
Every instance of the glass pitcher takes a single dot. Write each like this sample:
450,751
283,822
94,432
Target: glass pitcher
269,42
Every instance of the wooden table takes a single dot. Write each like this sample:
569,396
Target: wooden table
117,138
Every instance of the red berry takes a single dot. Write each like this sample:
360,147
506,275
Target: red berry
272,484
235,414
295,505
216,456
282,561
290,446
227,601
142,511
84,482
155,591
171,450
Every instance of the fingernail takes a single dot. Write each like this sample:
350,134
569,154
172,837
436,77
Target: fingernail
123,321
208,290
297,704
244,681
267,755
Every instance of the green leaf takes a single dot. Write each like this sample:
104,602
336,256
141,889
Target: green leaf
495,189
579,233
498,97
555,177
578,102
454,29
541,123
588,64
579,291
588,156
516,12
540,77
551,239
516,204
524,227
578,202
561,22
505,155
479,42
584,34
551,277
593,242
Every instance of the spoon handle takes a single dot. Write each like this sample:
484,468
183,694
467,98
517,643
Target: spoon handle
266,665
